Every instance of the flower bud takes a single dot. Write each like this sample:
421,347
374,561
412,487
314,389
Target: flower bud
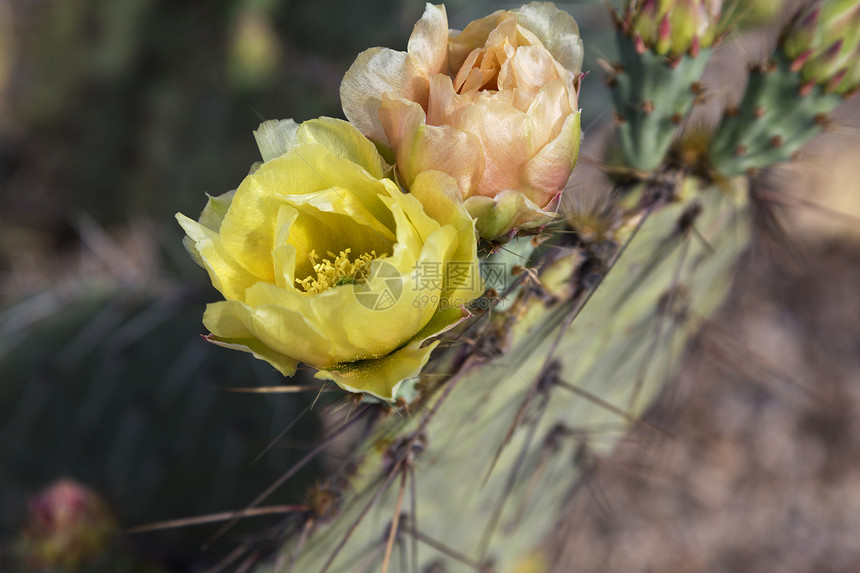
673,27
69,525
823,43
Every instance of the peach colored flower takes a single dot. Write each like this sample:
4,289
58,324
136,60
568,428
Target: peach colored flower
494,106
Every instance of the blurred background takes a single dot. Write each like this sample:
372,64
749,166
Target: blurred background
116,114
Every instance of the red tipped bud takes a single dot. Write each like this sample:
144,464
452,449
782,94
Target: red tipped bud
823,43
674,27
68,526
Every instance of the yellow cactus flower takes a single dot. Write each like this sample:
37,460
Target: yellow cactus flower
494,106
325,261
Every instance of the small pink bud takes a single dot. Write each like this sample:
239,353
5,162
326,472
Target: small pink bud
665,33
69,525
834,82
800,60
811,19
639,43
833,51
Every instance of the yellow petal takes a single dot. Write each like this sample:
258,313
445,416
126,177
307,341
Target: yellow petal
276,137
381,377
283,364
228,321
338,137
230,278
441,199
215,210
248,229
331,221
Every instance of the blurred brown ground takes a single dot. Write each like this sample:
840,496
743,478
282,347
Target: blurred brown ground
762,472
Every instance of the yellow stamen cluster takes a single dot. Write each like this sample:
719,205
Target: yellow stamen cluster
336,270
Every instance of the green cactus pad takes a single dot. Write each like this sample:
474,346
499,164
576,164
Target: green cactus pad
652,96
772,122
501,445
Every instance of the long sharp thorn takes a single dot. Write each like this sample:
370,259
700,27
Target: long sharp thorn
230,558
392,534
445,550
413,516
322,388
510,433
276,389
281,434
342,543
215,517
610,407
452,383
300,544
663,312
490,529
287,475
249,562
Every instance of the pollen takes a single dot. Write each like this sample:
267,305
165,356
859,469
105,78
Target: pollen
337,270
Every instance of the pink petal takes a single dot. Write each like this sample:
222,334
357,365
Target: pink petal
428,44
420,147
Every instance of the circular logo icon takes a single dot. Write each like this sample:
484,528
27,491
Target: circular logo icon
383,287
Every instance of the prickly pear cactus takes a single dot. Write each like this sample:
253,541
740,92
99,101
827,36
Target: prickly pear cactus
475,474
473,431
663,50
789,98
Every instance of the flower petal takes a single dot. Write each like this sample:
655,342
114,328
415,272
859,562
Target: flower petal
375,72
441,199
505,136
549,170
510,209
283,364
474,35
230,278
338,137
228,322
428,44
381,377
215,210
421,147
556,29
